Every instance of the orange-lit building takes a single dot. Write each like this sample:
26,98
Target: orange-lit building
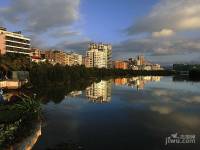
120,64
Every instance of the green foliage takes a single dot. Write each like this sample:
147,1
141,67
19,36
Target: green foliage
15,61
27,106
14,117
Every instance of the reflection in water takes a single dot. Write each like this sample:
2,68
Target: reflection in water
27,143
99,92
75,93
131,120
20,127
138,82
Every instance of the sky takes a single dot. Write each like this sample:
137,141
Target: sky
165,31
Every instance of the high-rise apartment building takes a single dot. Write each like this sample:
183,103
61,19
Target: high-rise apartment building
13,42
99,55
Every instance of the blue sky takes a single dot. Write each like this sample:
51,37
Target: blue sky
105,19
165,31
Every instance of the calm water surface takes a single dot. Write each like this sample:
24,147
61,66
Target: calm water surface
124,114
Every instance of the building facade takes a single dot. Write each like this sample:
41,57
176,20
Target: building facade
61,58
99,55
14,42
75,59
120,64
64,58
140,63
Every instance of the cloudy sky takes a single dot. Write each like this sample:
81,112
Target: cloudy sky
165,31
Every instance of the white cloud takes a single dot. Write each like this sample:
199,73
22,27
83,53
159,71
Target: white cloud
176,15
45,21
189,23
41,15
170,29
163,33
162,109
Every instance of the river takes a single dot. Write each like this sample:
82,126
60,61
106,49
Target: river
124,114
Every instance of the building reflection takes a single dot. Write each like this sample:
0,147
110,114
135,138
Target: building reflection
99,92
137,82
75,93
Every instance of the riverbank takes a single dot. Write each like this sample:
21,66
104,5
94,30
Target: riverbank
16,118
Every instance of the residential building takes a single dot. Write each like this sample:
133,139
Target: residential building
99,55
37,55
36,52
61,58
156,67
120,64
14,42
84,60
50,56
147,67
140,63
140,60
64,58
75,59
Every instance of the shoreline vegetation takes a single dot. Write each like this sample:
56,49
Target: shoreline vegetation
16,119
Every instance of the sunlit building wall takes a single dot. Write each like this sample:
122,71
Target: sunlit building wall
75,59
120,64
140,60
14,42
61,57
99,55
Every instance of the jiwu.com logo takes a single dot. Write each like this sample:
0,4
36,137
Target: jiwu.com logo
180,139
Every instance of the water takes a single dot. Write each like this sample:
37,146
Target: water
124,114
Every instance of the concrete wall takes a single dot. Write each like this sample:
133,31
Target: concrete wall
10,84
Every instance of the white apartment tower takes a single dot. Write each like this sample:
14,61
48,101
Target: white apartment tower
99,55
